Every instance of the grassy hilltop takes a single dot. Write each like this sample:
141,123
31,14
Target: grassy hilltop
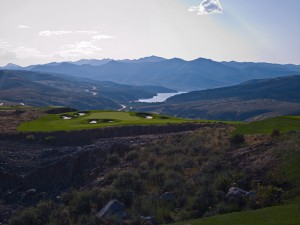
95,119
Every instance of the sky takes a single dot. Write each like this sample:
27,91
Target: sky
41,31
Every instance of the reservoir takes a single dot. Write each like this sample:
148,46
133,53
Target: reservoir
160,97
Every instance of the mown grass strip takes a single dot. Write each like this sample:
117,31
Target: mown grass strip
278,215
283,124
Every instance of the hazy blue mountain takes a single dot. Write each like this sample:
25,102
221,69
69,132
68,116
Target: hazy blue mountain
99,62
173,73
144,59
42,89
10,66
92,62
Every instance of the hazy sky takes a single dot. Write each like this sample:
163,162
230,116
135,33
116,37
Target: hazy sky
40,31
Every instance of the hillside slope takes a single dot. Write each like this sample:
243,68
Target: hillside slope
171,177
281,88
42,89
252,100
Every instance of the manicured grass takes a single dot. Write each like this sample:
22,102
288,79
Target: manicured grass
283,124
103,118
278,215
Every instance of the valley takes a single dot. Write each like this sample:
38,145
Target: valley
71,147
149,112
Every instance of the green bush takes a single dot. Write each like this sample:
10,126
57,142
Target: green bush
111,176
268,196
132,155
49,138
113,159
128,181
275,133
81,203
30,137
26,217
237,139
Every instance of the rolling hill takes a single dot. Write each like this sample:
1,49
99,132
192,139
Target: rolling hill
281,88
252,100
42,89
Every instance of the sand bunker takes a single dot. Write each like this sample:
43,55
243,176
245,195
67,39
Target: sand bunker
93,122
67,117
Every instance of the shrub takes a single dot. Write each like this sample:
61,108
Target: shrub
237,139
49,138
43,211
128,181
113,159
268,196
275,133
26,217
81,203
132,155
111,176
30,137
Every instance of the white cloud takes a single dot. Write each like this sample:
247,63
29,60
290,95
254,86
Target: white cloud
48,33
81,48
86,32
5,54
12,51
99,37
20,52
4,44
207,7
23,26
26,52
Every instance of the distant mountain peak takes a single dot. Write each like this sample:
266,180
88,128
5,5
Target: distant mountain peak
177,60
152,58
147,59
11,66
201,59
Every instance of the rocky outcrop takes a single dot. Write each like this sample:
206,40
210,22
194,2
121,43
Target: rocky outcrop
167,196
113,212
83,137
239,194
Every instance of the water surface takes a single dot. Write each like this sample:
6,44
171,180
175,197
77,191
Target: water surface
160,97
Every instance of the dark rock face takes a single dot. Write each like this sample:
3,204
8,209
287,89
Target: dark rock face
112,212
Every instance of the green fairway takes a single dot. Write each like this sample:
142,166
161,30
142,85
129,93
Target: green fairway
283,124
95,119
278,215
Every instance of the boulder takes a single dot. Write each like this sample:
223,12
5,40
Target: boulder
112,211
30,192
238,193
167,196
149,219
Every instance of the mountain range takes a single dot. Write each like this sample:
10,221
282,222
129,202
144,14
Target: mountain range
216,90
172,73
